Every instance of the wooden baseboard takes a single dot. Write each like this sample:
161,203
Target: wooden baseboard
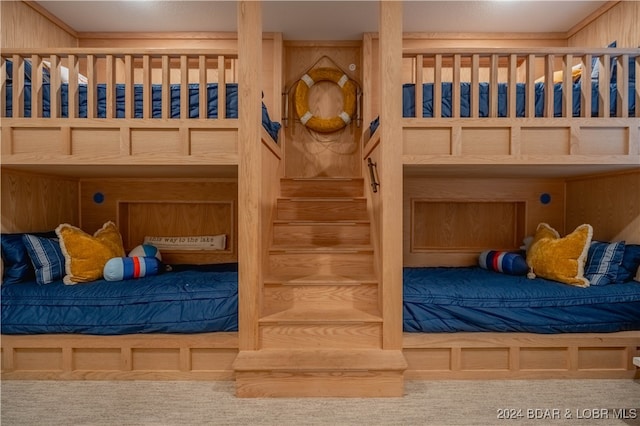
210,356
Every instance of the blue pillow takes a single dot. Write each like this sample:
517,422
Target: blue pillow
595,70
630,263
46,256
17,264
603,262
503,261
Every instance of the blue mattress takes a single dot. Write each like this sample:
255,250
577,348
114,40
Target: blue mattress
270,126
408,99
187,301
472,299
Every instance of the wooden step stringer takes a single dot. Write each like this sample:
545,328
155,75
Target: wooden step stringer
320,329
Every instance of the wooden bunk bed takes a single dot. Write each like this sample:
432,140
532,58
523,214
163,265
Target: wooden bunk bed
466,163
88,132
94,151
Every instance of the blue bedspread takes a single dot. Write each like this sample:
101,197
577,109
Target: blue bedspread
188,301
270,126
473,299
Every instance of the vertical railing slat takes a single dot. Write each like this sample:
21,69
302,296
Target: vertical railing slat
418,94
18,87
455,88
475,89
622,101
437,86
129,100
184,86
3,86
512,87
110,86
567,86
493,86
222,89
73,88
549,86
585,87
92,88
604,96
146,87
202,82
36,86
166,87
55,104
530,101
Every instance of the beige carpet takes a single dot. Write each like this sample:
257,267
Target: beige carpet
574,402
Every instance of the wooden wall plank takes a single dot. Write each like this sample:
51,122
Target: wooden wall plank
32,202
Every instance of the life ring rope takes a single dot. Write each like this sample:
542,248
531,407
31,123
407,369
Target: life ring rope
325,125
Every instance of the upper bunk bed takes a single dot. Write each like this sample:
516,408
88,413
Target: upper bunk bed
490,106
121,107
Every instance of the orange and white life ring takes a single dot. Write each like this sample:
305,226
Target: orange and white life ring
325,125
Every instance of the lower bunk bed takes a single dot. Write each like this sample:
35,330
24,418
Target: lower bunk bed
128,329
470,322
460,323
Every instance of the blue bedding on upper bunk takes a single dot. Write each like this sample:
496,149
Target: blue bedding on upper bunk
270,126
408,99
187,301
448,299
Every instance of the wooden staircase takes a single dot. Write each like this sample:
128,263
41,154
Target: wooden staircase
320,332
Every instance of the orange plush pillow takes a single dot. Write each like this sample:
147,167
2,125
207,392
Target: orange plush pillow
560,259
86,255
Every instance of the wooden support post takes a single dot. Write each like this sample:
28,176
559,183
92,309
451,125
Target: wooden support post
391,172
249,172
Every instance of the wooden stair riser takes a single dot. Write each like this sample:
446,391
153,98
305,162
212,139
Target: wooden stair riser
363,297
321,235
321,263
322,210
339,384
312,336
327,188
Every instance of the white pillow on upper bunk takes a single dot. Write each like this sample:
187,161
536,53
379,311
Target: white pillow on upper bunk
64,74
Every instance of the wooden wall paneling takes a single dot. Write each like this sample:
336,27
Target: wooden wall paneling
437,209
619,23
24,25
164,207
32,203
309,153
610,203
370,79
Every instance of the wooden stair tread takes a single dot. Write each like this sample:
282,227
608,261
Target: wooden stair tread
307,248
320,315
322,178
344,222
315,279
320,359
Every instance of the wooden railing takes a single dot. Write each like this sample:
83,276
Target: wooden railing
71,69
526,68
